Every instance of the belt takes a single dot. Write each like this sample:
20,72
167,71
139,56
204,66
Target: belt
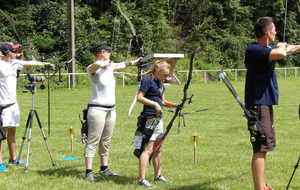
149,116
101,106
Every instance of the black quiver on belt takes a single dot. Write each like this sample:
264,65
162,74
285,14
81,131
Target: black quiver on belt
142,135
254,126
84,126
2,134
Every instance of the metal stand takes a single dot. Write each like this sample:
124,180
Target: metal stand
297,164
28,130
48,75
295,168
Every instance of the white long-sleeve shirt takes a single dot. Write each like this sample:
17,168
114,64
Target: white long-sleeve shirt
103,84
8,81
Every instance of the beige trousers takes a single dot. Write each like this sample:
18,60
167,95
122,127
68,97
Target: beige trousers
101,123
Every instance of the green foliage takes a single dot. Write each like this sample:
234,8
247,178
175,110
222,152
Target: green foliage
44,42
221,28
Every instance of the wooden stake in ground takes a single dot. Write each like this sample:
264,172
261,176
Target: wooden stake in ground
71,132
195,140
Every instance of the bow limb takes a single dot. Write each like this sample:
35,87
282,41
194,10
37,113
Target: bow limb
139,53
132,106
133,31
285,20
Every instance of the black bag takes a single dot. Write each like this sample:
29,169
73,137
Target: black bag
84,126
143,133
139,137
2,134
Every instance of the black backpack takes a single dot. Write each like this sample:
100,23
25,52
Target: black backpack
84,126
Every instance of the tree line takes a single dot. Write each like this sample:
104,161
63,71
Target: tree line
221,27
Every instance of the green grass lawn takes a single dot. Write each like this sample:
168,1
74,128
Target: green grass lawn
223,151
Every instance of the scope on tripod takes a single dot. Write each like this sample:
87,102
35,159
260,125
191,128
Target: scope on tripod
32,78
32,83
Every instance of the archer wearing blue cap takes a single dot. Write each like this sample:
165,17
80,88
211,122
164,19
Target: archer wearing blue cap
9,109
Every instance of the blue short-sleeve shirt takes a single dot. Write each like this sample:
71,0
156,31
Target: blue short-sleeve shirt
261,83
153,90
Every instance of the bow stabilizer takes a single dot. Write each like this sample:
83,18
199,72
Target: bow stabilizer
251,116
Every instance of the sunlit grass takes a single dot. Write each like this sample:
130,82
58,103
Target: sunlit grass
223,151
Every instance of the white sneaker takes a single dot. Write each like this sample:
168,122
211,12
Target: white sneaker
108,172
145,183
162,179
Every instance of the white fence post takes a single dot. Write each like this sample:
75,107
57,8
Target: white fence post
236,74
123,79
285,73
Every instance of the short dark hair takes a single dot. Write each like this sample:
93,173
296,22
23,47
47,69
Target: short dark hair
262,25
97,48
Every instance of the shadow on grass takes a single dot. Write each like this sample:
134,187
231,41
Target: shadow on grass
206,185
71,171
194,187
67,171
121,180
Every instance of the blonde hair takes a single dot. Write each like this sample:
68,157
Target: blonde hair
159,66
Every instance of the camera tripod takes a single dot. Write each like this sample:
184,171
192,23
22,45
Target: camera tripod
28,130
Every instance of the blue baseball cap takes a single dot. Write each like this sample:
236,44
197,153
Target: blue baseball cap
7,47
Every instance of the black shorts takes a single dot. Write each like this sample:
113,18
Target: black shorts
265,119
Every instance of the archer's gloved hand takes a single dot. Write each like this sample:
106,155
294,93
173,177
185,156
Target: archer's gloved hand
135,62
179,106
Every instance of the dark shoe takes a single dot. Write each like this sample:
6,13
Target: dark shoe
108,172
145,183
12,162
90,177
162,179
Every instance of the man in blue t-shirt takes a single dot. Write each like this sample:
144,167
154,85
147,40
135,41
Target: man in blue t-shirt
261,91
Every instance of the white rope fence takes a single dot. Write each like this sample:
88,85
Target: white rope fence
287,72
